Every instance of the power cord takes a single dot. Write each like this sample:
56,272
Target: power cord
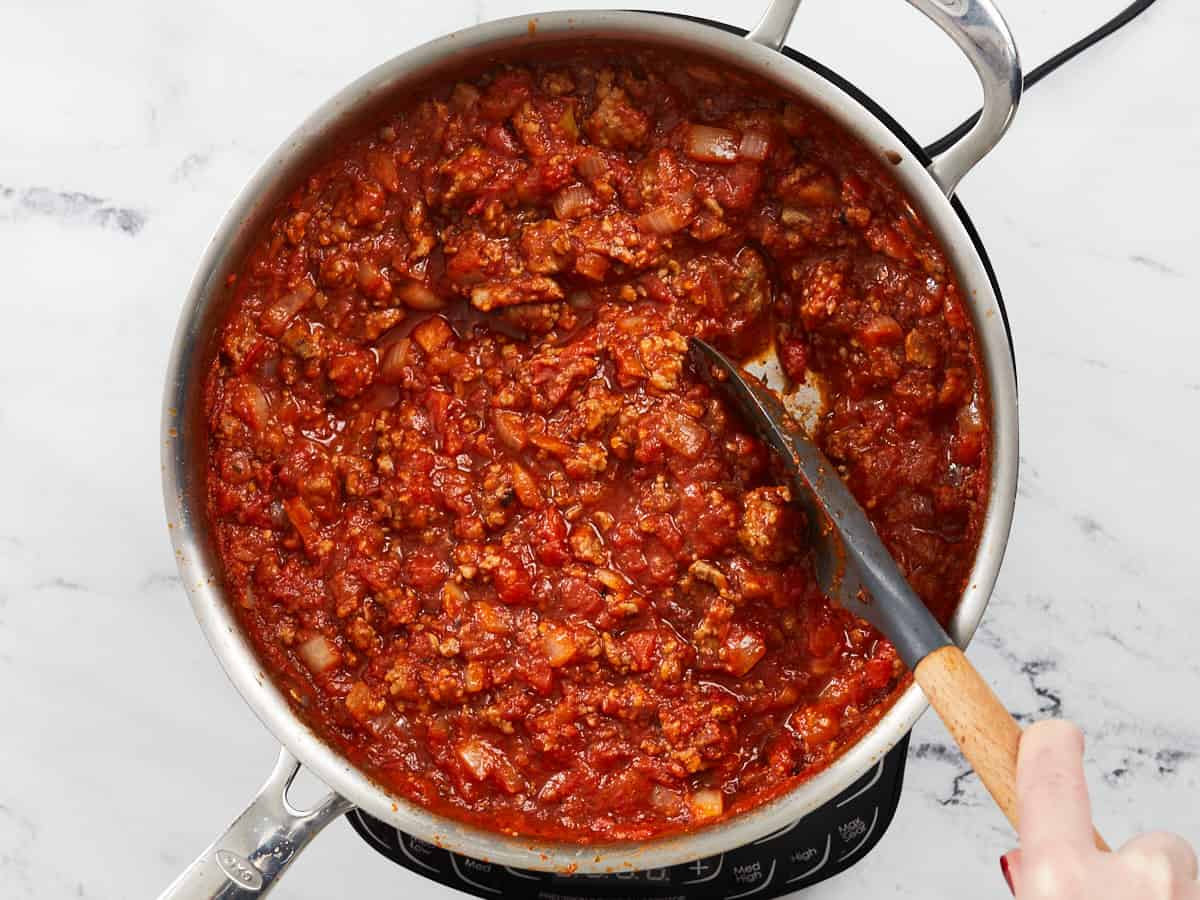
1127,15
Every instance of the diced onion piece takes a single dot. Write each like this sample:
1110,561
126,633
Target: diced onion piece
274,319
665,801
482,759
572,201
396,358
418,296
510,429
566,123
318,654
705,143
551,444
706,803
591,265
524,486
304,522
492,618
558,645
755,145
970,419
742,651
592,165
684,435
252,406
662,220
433,334
477,756
249,598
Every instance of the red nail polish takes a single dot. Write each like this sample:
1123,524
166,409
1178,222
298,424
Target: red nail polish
1007,875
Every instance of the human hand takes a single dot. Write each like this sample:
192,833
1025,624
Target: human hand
1057,859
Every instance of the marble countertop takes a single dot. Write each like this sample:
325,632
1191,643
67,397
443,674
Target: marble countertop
128,127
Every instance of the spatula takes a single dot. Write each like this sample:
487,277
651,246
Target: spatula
850,556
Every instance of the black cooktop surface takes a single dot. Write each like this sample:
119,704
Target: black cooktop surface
822,844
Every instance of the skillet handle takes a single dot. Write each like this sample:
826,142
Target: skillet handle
984,37
772,29
261,843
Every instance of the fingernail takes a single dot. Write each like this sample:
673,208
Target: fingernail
1007,875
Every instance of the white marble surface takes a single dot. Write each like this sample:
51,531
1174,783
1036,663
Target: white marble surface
127,128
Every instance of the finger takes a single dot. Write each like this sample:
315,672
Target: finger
1052,796
1162,857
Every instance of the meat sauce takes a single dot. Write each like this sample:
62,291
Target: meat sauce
491,536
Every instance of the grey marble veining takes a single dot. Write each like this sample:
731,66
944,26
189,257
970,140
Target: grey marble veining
68,207
130,127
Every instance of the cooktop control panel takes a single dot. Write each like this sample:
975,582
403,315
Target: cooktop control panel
808,851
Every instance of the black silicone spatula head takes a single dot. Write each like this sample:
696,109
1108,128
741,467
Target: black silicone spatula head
853,566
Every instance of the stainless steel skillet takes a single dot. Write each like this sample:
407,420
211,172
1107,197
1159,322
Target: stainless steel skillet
246,860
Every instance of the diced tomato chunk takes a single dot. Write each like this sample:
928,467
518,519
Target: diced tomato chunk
512,581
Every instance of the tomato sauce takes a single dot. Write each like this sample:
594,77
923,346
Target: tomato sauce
488,532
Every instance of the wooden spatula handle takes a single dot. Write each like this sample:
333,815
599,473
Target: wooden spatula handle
984,730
